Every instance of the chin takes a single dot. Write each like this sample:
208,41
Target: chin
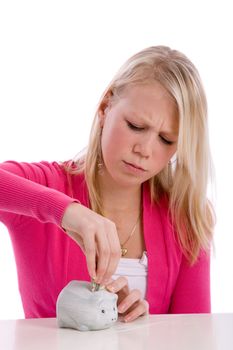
127,183
122,179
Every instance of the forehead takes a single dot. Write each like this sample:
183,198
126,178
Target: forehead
151,104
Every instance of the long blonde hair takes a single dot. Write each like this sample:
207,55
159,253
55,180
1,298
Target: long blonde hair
186,187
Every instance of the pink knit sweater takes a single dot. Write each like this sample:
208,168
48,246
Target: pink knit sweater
33,198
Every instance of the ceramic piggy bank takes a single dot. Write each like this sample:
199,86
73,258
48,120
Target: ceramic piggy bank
79,308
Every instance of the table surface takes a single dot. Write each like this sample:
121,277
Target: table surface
157,332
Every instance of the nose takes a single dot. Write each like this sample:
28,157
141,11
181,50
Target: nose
144,146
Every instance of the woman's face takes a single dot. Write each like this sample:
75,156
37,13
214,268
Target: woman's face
139,134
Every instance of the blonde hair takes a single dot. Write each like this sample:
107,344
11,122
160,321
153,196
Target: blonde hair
190,210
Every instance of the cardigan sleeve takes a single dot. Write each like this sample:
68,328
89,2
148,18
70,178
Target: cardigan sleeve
192,290
25,189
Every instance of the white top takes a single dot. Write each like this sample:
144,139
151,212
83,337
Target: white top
136,272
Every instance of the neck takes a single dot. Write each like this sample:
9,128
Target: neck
116,199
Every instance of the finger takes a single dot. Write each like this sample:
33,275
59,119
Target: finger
141,309
91,254
115,253
133,297
119,284
103,254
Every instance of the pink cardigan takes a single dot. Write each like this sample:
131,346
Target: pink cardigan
47,259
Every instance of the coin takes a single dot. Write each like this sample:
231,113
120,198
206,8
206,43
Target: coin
94,286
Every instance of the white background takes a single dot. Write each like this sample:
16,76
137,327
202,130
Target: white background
56,57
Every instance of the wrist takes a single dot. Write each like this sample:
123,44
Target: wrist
68,213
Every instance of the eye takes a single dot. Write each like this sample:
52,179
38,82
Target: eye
134,127
103,311
167,142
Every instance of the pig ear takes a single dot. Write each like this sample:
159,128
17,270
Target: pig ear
114,296
97,298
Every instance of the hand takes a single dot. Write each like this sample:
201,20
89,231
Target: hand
97,236
130,303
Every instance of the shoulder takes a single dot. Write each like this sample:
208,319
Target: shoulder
46,173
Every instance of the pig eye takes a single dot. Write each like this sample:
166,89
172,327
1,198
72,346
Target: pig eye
103,311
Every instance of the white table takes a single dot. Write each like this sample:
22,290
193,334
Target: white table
157,332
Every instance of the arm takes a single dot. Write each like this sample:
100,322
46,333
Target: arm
25,197
44,199
192,290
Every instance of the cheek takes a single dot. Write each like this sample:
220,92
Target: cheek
108,142
162,155
114,139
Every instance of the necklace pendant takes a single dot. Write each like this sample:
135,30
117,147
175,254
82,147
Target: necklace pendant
124,251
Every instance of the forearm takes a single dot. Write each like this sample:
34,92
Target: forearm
24,197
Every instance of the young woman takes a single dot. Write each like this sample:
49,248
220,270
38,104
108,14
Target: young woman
132,212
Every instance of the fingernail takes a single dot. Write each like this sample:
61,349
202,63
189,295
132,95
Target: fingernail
111,288
97,280
122,307
128,318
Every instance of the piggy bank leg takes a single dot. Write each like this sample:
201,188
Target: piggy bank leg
82,328
70,322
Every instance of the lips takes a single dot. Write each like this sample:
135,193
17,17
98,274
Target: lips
135,166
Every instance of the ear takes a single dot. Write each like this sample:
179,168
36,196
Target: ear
104,105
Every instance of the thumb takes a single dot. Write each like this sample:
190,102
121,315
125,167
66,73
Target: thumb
77,239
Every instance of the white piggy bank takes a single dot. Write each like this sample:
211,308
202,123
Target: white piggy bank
79,308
